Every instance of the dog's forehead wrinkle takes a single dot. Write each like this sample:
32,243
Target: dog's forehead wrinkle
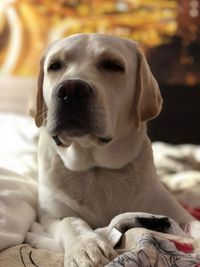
61,54
109,53
67,47
106,48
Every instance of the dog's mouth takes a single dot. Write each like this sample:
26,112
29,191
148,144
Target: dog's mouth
58,141
99,140
64,133
74,129
70,127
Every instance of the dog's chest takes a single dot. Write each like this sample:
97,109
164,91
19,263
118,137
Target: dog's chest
96,196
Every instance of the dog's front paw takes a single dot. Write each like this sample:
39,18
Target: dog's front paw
89,252
32,239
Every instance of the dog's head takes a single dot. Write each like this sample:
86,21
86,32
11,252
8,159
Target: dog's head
93,86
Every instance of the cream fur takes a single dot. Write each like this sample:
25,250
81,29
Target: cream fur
85,184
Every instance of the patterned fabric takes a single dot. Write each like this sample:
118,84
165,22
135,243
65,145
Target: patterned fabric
157,249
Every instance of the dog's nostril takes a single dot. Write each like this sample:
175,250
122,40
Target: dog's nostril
73,89
82,89
62,92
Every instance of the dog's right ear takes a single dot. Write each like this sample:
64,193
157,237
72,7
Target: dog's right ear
40,112
148,96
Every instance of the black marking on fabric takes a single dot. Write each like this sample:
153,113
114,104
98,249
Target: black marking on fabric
31,259
22,259
153,223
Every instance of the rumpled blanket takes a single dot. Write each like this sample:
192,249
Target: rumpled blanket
140,248
149,248
178,166
179,169
18,203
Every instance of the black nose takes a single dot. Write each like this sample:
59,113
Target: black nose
72,90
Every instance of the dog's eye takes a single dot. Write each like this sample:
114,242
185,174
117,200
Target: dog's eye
57,65
112,65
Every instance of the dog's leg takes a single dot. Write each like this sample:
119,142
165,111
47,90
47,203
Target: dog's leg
83,247
40,241
37,228
39,238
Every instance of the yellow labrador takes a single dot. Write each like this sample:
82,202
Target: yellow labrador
95,95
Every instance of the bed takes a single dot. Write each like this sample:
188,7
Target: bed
177,165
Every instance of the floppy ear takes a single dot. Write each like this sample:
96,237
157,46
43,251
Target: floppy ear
40,105
148,96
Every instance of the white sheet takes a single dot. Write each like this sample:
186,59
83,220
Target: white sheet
18,200
18,144
18,190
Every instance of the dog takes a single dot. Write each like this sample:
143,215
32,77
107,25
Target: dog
96,171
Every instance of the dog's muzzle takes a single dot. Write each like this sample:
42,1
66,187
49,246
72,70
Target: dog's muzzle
73,112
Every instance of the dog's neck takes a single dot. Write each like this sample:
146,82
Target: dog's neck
79,158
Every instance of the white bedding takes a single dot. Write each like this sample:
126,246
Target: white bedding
179,169
18,175
18,144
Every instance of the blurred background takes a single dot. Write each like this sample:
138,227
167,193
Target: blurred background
27,26
168,31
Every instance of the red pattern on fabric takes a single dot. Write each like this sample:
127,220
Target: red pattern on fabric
195,212
186,248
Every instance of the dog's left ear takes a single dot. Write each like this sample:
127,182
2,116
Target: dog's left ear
148,96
